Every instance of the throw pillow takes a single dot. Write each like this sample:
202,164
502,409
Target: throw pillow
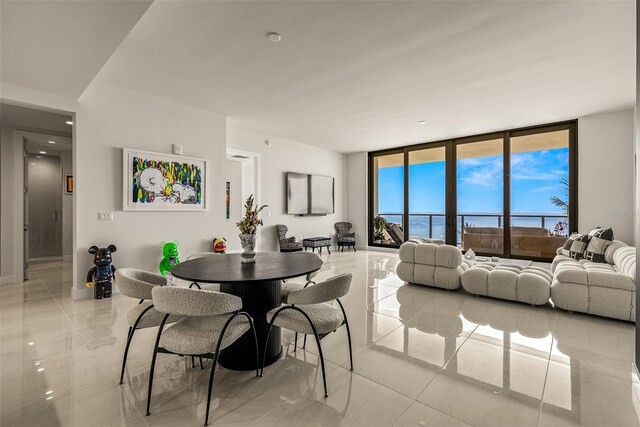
575,245
600,239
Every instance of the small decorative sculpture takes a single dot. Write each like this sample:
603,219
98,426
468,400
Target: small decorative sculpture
102,273
169,257
220,245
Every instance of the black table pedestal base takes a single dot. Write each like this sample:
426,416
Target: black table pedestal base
258,298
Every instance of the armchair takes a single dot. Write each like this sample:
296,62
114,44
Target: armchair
287,244
344,236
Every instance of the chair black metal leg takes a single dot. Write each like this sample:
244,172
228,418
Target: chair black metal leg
304,343
201,364
295,342
354,249
193,361
264,356
213,371
346,323
324,376
255,338
132,330
217,353
153,363
126,352
194,284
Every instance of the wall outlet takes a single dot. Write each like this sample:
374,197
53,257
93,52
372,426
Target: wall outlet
177,149
105,216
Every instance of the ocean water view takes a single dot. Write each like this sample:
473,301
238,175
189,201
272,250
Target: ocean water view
419,223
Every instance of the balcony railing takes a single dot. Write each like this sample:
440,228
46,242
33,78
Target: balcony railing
436,221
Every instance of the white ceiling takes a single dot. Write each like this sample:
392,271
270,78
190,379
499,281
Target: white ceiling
348,76
354,76
29,119
37,142
58,47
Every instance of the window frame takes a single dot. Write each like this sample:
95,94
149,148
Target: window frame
451,180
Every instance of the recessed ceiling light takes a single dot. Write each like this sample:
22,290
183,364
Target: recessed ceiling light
49,392
40,369
274,37
69,122
43,152
52,142
422,122
30,343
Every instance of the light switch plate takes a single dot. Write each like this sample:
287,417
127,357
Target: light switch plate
177,149
105,216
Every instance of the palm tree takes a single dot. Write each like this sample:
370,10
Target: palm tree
564,205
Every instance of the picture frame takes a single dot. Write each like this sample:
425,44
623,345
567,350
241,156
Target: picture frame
162,182
68,184
228,200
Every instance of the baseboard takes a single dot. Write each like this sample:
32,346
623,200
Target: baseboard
87,293
8,280
380,249
45,259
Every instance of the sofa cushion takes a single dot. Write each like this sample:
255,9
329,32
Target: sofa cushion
625,261
611,250
575,246
600,238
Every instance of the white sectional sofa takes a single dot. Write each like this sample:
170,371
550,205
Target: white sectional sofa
604,289
430,264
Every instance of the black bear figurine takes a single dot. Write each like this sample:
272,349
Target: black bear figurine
101,275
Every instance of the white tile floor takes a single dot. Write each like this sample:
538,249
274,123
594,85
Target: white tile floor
423,357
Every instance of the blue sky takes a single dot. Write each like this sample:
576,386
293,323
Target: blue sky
535,177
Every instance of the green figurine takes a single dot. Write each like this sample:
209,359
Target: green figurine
169,257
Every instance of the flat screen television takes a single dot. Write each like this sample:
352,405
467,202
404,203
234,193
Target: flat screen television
309,194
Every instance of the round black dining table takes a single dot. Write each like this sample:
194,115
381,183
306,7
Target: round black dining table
259,285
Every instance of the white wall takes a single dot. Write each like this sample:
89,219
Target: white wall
8,189
108,119
278,158
234,176
606,173
357,207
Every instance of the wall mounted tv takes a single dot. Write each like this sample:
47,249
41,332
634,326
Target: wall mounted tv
309,194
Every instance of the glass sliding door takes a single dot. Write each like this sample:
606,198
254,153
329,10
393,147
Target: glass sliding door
509,194
539,192
387,199
427,193
480,195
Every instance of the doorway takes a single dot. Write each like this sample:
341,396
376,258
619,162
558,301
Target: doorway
48,198
43,137
242,169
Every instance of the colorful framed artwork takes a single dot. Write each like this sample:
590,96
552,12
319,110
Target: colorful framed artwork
68,184
228,199
158,181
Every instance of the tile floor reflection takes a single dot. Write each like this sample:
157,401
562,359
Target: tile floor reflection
423,357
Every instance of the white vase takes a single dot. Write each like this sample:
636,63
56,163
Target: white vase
248,242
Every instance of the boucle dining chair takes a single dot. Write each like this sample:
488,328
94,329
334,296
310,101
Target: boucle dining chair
289,287
211,321
308,312
209,286
138,284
